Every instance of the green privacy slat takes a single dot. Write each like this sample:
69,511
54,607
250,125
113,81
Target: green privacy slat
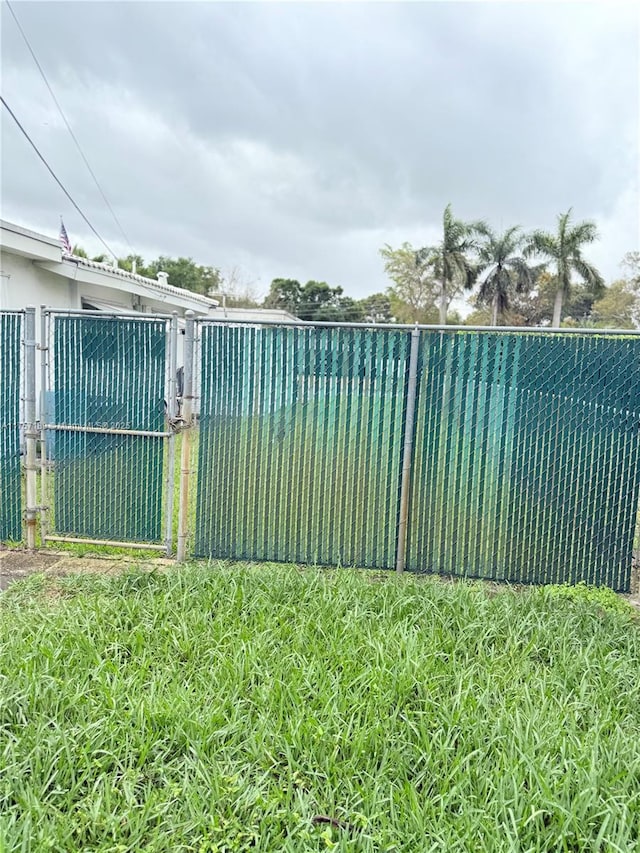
109,373
526,457
300,444
525,464
10,477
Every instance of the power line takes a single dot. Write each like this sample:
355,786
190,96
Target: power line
64,118
54,176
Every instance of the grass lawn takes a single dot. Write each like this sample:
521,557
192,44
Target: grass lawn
234,708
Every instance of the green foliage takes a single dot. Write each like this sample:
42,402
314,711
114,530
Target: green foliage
182,272
286,294
185,273
316,300
619,305
128,262
319,301
450,260
589,596
506,272
223,708
413,293
79,252
564,251
377,308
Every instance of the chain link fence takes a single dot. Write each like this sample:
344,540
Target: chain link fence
526,464
300,445
512,456
11,337
502,454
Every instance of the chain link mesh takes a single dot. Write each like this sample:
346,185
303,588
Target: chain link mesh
107,374
525,464
300,444
11,330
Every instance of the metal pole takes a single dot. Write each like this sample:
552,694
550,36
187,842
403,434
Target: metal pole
405,327
185,457
44,350
407,452
171,441
111,543
31,431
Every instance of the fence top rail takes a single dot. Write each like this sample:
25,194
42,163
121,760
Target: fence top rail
311,324
105,315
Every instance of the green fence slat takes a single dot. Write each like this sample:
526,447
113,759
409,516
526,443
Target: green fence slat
540,458
525,464
10,474
317,493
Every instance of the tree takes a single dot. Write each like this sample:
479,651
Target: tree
412,296
320,301
79,252
377,308
131,260
450,260
564,250
286,294
185,273
507,272
314,301
237,290
619,305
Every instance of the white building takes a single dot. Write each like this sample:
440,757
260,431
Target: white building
35,271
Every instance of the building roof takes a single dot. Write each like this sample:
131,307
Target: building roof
251,314
150,282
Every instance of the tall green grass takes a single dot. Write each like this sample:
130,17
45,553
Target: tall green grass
229,708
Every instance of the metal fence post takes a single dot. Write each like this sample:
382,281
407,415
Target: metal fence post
171,441
407,451
30,432
185,456
44,355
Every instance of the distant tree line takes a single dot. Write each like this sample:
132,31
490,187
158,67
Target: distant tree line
508,278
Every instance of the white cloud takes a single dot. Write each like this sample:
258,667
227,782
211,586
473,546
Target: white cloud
296,140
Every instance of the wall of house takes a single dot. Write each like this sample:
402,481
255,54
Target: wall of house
23,282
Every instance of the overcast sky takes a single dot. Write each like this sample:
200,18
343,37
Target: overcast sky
296,139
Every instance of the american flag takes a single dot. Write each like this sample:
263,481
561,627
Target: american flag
64,239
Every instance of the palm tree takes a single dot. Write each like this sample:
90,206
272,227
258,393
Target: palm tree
507,271
564,250
449,259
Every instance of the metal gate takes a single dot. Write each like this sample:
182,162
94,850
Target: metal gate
108,455
11,332
509,454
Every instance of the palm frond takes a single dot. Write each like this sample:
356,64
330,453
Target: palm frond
583,232
589,274
523,275
542,243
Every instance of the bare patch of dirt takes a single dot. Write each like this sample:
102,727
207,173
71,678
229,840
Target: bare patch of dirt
15,565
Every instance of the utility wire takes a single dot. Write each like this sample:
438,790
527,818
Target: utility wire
64,118
54,176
